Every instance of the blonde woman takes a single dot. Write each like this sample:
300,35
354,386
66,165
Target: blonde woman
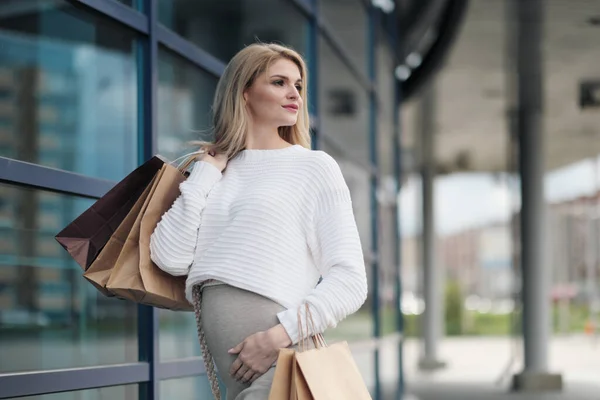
259,221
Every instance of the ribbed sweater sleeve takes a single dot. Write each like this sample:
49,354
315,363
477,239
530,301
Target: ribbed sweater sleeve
173,242
335,244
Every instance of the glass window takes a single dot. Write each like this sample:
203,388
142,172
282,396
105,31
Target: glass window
178,335
348,20
192,388
185,95
223,27
359,325
129,392
68,84
50,316
344,108
127,2
343,115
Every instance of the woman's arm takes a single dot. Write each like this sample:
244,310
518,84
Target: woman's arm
173,242
336,248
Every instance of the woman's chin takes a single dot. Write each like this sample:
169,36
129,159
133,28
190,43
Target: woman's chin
289,122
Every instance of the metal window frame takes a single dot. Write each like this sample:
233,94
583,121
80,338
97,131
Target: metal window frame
21,173
149,371
71,379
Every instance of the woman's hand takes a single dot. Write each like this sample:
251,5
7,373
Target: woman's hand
218,160
257,353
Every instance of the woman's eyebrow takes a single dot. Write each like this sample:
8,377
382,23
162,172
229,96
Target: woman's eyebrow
285,77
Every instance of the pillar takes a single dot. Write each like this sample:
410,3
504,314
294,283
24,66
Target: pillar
528,15
432,317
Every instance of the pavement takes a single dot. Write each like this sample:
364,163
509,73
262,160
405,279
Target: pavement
481,368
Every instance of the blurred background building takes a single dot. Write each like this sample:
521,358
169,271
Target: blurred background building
424,106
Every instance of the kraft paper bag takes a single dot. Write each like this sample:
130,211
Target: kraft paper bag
331,373
99,272
135,276
85,237
125,279
322,373
282,379
162,290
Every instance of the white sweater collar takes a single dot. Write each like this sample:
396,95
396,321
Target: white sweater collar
251,155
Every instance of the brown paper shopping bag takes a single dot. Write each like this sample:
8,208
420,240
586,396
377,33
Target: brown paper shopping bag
85,237
162,289
322,373
135,276
125,279
331,373
99,272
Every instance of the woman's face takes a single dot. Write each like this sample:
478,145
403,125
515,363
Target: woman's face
274,98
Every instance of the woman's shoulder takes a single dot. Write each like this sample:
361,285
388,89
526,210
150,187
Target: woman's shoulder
318,159
321,167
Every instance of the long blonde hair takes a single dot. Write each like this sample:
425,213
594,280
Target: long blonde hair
230,119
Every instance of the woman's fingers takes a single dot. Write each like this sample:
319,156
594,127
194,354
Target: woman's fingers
244,369
237,364
255,377
247,378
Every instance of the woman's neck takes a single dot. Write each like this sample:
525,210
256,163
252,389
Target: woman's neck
265,142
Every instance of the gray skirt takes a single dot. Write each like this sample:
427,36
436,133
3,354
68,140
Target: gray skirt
228,315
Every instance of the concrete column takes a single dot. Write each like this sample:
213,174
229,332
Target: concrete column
432,318
529,16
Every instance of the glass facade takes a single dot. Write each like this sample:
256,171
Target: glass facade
88,91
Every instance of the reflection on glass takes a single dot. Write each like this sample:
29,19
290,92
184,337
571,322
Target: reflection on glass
359,325
192,388
344,108
344,135
185,94
223,27
348,20
129,392
68,83
127,2
50,316
178,335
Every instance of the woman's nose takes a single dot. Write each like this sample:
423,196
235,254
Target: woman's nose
293,94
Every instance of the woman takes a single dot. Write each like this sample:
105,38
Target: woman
254,239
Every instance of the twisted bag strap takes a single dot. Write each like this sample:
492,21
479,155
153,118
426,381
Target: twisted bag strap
209,361
318,339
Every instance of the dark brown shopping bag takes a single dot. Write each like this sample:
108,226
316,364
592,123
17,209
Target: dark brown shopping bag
134,275
99,272
88,234
322,373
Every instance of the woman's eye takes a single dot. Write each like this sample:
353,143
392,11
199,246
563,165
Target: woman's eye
278,83
299,88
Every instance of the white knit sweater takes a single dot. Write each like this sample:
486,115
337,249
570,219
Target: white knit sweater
272,223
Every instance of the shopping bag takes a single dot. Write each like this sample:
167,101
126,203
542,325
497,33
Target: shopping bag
162,289
322,373
331,373
99,271
125,280
135,276
88,234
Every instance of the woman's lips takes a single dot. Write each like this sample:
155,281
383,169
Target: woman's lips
291,108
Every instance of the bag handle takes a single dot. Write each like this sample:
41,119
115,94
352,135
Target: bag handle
185,156
318,339
188,160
